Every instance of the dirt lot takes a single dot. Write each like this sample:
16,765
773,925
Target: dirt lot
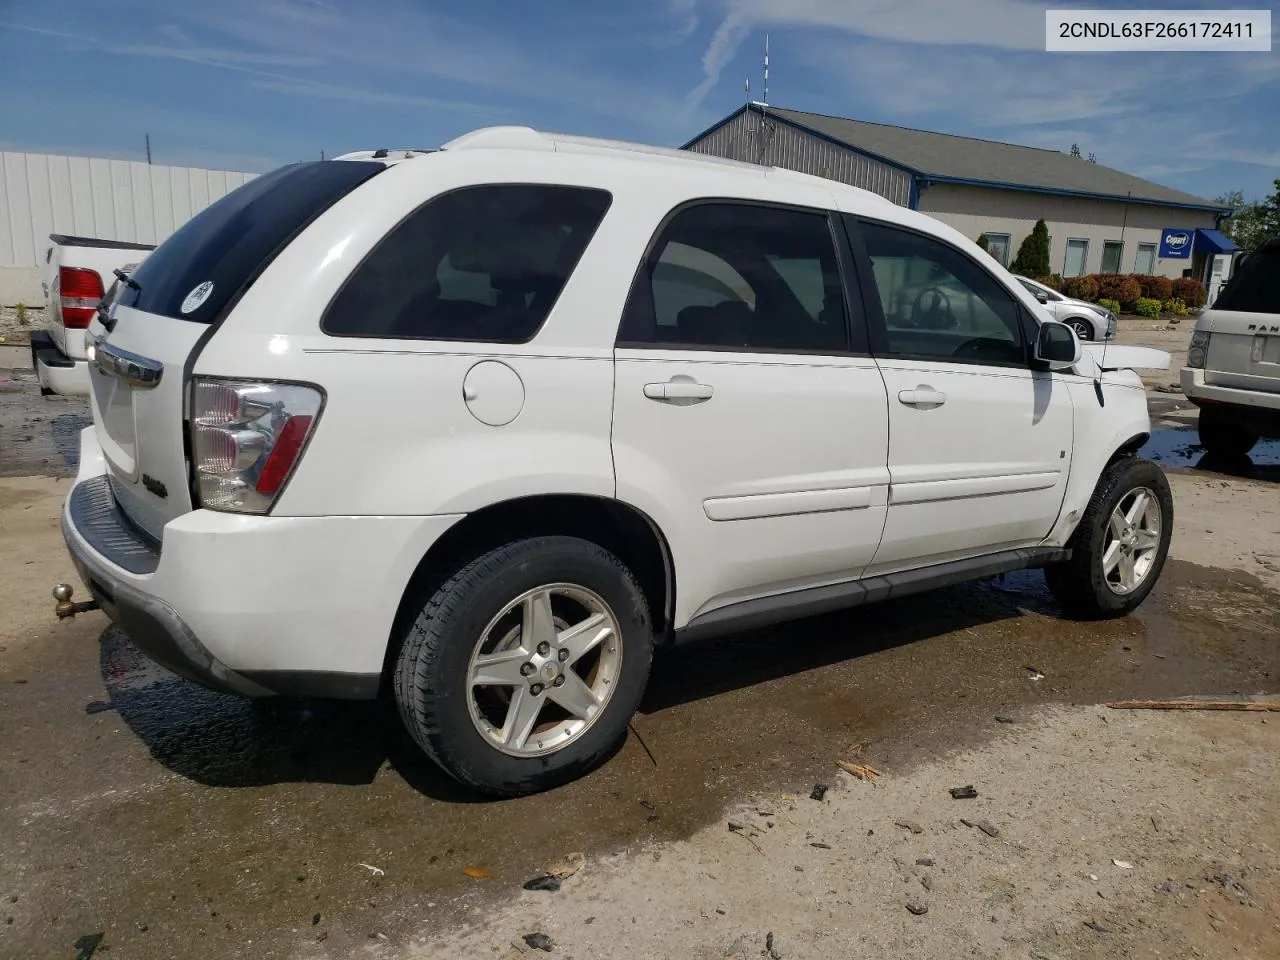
175,822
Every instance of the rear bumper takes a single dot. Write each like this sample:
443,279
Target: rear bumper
257,606
57,372
1256,408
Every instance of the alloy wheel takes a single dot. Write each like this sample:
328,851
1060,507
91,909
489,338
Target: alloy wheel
1132,541
544,669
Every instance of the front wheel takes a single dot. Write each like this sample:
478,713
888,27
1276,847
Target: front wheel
1083,329
523,670
1120,546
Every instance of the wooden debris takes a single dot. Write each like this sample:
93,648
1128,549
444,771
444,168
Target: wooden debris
1270,704
863,771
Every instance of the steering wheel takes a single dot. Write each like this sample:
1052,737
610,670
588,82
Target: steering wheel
937,315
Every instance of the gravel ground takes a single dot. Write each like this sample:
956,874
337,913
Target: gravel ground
1159,830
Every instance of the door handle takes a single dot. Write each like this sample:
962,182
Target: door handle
922,396
676,390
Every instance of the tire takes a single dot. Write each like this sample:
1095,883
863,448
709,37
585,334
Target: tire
1222,436
1083,328
457,723
1082,585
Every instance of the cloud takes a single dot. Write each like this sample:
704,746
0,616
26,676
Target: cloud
1001,24
358,95
684,14
1139,113
408,46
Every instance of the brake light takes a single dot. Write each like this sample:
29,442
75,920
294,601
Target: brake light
246,439
1198,350
79,291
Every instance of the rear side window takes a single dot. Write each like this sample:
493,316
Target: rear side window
1256,287
484,263
196,272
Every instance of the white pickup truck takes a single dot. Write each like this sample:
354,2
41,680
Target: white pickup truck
78,273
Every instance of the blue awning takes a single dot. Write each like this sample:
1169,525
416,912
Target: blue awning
1212,241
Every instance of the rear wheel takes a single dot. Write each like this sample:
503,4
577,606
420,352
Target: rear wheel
1120,546
523,670
1224,436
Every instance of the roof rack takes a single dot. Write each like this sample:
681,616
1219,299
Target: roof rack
384,153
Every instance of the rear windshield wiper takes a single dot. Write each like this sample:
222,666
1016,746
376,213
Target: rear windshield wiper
127,280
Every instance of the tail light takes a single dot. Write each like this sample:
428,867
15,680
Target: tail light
79,291
246,439
1198,350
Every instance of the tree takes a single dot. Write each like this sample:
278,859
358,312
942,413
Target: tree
1033,255
1252,222
1075,151
984,243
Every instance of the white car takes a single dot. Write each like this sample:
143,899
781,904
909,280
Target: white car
78,273
1088,320
482,427
1233,361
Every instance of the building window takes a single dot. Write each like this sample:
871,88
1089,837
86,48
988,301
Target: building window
1077,258
1145,261
998,246
1112,254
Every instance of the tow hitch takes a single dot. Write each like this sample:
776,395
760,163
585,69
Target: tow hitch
65,608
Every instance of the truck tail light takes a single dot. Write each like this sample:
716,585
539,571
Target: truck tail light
79,291
1198,350
246,439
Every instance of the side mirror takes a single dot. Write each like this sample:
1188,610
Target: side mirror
1057,346
1042,296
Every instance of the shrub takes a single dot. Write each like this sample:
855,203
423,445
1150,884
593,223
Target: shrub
1175,306
1121,287
1156,288
1081,288
1033,255
1190,291
1112,305
1146,307
984,243
1053,281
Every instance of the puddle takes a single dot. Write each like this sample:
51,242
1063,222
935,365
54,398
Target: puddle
1180,447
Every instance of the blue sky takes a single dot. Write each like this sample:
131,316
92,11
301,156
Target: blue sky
250,84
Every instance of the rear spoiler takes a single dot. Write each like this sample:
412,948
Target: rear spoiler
65,240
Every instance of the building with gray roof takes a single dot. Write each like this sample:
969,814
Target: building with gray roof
1100,220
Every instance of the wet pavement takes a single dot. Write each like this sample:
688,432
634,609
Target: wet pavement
1178,447
39,436
179,822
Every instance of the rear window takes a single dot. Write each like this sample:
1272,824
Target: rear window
196,272
1256,286
484,263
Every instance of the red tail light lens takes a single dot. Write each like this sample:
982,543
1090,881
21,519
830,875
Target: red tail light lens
247,438
79,291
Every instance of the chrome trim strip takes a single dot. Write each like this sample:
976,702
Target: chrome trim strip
135,370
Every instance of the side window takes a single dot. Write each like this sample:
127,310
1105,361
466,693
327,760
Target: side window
938,304
740,277
484,263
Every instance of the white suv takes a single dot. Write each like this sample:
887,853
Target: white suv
482,427
1233,361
